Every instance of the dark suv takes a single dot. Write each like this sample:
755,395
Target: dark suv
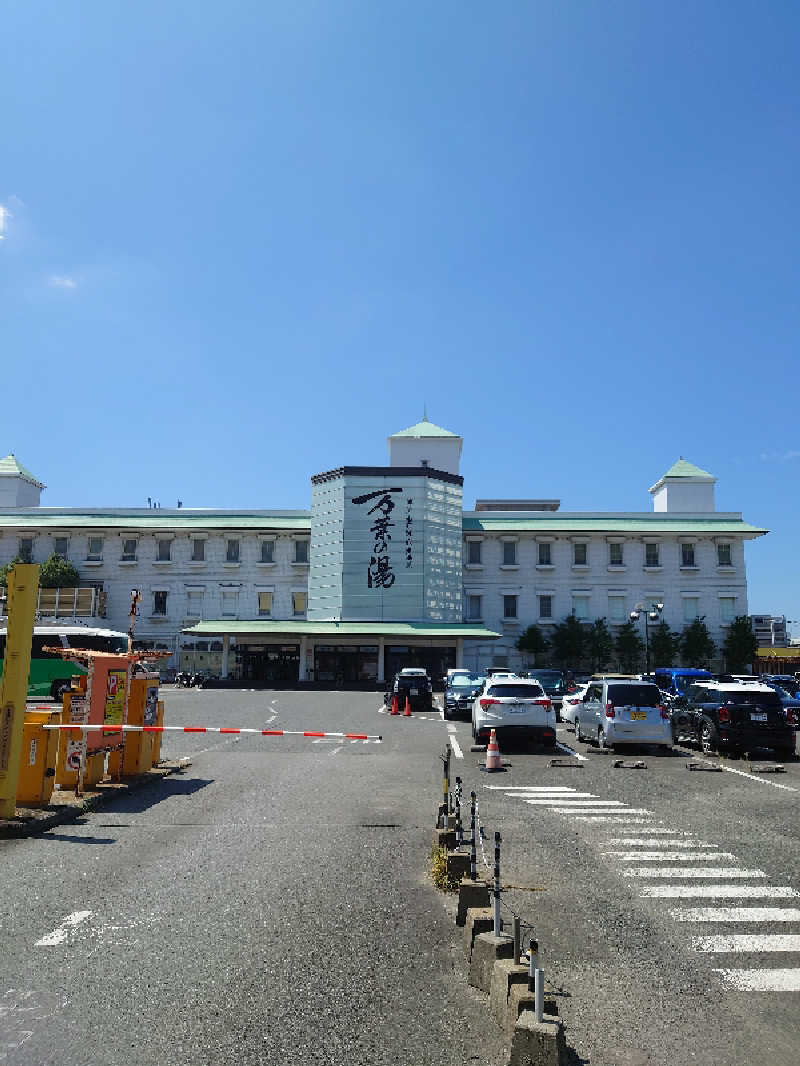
416,686
720,716
554,683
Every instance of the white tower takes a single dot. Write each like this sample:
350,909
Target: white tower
684,488
18,487
426,445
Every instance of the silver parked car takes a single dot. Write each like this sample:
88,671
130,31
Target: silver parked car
623,712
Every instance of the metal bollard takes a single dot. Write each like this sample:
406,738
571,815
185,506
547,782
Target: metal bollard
517,942
533,963
498,921
538,995
459,830
446,784
473,844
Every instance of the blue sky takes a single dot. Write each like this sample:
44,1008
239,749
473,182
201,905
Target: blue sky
244,242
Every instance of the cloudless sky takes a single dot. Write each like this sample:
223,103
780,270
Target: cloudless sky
243,242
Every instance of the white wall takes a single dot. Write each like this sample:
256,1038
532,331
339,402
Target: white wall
17,492
685,497
442,453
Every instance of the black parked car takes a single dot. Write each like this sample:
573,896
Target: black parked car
720,716
415,685
554,683
459,694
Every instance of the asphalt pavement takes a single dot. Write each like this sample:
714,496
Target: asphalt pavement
271,904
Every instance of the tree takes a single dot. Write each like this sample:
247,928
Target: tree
629,647
533,641
600,643
664,645
4,570
568,642
740,644
57,573
697,647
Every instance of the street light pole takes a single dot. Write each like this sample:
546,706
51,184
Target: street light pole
651,615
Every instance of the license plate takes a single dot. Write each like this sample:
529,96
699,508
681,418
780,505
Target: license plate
414,691
518,710
638,715
758,717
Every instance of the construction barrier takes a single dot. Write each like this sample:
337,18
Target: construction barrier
37,768
88,728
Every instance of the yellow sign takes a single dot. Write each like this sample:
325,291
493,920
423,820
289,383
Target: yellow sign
115,697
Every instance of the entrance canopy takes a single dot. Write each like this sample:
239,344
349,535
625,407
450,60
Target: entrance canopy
338,651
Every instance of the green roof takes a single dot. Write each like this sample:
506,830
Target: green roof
11,467
655,523
153,518
240,626
683,468
424,429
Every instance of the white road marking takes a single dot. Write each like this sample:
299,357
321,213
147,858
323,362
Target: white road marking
570,751
599,808
570,801
652,842
747,942
668,856
516,789
61,932
719,891
691,871
450,727
753,777
547,797
763,980
456,748
335,750
736,914
271,719
611,818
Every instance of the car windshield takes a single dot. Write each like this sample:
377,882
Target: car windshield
752,699
634,695
465,681
526,692
682,682
549,678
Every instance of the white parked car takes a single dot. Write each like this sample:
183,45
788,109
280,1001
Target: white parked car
623,712
515,707
570,702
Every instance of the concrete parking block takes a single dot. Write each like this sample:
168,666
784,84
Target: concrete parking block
506,973
477,920
486,951
471,894
521,999
538,1043
457,865
444,838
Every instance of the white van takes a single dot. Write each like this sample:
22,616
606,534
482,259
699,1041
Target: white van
623,712
514,706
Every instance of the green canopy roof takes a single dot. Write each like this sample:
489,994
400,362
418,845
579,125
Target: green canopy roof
424,429
11,467
683,468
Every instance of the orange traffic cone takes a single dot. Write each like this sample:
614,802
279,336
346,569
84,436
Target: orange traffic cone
395,708
493,762
407,711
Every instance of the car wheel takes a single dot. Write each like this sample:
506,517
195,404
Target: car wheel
602,742
709,743
578,734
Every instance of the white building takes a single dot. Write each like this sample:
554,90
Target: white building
387,569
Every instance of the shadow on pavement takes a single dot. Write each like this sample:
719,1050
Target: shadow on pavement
166,788
69,839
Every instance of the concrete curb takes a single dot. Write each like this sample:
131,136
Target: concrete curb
37,820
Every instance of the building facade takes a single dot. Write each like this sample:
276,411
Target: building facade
387,569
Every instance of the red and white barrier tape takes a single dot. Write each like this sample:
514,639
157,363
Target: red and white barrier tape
207,729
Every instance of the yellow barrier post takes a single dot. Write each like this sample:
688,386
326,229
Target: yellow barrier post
23,585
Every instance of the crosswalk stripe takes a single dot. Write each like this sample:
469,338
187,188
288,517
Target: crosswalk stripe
747,942
562,801
527,788
668,856
560,797
719,891
600,810
763,980
618,820
691,871
681,842
736,914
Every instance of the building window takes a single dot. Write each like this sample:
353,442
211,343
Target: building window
545,606
687,555
61,546
691,608
509,553
509,607
615,555
230,599
129,547
651,555
298,603
579,554
94,550
160,603
616,609
164,550
198,550
727,609
473,608
544,554
267,551
194,603
474,552
724,555
25,549
232,552
580,607
264,604
301,552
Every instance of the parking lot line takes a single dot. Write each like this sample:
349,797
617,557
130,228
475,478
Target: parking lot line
567,750
747,942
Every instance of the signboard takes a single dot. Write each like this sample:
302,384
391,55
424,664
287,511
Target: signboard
107,691
115,697
151,705
76,749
